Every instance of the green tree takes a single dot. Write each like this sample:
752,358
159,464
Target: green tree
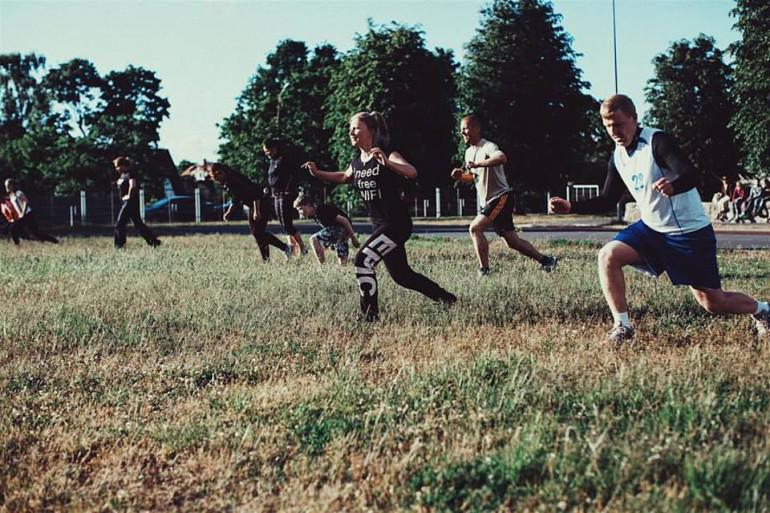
689,99
391,71
283,99
522,80
751,121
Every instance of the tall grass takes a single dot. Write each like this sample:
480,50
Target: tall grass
194,377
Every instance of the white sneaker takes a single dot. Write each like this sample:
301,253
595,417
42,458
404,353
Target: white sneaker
620,334
762,324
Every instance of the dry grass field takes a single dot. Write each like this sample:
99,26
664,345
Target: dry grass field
196,378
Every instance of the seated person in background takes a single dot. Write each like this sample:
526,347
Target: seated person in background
336,228
721,199
737,199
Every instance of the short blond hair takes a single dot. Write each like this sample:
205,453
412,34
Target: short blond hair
618,102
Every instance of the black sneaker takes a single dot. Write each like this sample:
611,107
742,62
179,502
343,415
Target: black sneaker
549,264
483,271
156,243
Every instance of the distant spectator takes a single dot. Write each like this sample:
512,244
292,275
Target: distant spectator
26,217
721,199
758,199
737,199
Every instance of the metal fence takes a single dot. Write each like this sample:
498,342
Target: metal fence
101,208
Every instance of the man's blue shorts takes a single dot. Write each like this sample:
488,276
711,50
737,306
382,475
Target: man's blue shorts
687,258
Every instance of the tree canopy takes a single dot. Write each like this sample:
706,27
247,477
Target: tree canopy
751,121
689,98
521,78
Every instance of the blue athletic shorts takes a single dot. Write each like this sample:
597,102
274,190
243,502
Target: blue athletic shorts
687,258
334,237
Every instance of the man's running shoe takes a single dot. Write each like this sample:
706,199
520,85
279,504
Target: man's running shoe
549,264
483,271
620,334
762,324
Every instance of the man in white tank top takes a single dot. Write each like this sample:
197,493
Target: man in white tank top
674,234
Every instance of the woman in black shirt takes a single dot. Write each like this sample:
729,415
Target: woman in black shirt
128,188
281,177
245,192
377,172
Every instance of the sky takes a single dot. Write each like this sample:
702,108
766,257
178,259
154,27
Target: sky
204,52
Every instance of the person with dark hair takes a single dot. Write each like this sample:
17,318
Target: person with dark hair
244,192
336,231
128,189
26,218
674,234
376,172
10,218
282,179
484,164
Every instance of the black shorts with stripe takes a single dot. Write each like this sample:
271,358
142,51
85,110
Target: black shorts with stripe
500,212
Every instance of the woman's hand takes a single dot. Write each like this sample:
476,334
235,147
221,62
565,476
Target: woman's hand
379,156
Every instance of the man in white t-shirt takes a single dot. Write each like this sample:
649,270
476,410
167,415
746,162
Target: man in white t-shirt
484,167
674,235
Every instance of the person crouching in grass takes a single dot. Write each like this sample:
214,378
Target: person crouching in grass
336,228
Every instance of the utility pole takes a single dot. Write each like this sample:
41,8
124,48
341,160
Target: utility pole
615,46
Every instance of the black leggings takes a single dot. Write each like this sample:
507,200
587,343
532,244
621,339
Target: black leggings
130,212
387,244
284,211
29,223
264,238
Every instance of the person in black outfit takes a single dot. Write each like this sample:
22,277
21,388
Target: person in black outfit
128,188
281,177
245,192
377,172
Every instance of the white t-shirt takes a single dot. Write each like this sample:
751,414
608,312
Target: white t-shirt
491,182
16,199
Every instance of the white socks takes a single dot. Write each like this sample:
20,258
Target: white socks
762,306
621,319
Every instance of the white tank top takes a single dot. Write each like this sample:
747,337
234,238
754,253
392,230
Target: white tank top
681,213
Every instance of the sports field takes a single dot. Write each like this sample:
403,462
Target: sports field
195,378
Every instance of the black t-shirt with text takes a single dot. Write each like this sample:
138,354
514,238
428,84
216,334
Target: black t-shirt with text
380,188
326,215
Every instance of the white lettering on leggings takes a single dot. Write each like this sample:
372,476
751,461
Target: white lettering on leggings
373,252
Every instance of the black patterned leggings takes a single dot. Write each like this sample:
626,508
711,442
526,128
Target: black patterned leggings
264,238
386,244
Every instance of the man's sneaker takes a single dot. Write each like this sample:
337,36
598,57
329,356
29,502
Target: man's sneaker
156,243
549,264
762,324
620,334
288,252
483,271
